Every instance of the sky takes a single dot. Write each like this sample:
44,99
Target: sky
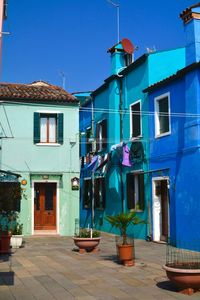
65,42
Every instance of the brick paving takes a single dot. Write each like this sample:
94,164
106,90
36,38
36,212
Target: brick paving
48,268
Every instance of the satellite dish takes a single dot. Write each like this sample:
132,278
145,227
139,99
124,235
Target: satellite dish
127,46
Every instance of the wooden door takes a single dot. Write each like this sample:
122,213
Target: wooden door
164,211
45,206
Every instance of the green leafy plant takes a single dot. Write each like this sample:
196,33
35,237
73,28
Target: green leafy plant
17,229
85,233
122,221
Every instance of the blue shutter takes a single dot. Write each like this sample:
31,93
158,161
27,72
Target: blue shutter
60,129
36,128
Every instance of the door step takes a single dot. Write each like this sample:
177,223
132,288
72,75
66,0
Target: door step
45,233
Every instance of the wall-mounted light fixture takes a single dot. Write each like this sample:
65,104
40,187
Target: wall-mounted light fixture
23,182
75,183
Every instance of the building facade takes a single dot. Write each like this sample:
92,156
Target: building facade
40,142
174,134
119,124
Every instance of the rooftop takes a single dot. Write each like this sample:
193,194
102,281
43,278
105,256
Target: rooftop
38,91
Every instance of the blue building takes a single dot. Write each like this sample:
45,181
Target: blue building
174,139
118,120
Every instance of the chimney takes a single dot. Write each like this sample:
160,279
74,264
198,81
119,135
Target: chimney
121,56
191,20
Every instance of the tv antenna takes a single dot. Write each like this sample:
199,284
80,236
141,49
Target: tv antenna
63,79
116,5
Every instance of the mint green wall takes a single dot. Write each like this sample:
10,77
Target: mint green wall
19,154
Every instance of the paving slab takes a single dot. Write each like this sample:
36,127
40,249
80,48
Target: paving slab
51,268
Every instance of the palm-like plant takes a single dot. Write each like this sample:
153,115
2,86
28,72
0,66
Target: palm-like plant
122,221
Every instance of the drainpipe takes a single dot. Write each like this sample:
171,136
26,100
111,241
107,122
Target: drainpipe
93,149
121,132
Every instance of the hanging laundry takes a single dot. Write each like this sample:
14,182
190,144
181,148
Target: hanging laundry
114,147
93,165
126,159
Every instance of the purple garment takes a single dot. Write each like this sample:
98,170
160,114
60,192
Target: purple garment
126,161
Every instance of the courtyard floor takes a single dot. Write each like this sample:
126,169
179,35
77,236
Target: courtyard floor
50,268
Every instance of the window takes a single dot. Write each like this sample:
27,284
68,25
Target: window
135,191
101,135
135,119
88,141
87,193
99,193
162,113
48,128
128,59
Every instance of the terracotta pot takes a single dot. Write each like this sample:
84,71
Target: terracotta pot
5,242
186,279
87,244
125,253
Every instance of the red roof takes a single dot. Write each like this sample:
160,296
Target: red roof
38,91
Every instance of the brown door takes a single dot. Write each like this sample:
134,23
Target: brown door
164,210
45,206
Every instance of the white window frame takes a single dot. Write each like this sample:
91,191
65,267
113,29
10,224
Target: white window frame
131,120
156,108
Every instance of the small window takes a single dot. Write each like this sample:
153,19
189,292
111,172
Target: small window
162,115
135,120
101,135
135,191
128,59
99,193
48,128
87,193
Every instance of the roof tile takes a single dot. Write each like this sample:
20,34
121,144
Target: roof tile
36,91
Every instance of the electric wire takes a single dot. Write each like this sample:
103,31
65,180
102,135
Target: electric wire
8,122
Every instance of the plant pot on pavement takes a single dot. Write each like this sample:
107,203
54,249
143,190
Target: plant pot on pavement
5,242
87,240
16,241
125,251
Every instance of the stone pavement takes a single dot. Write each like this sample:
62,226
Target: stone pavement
49,268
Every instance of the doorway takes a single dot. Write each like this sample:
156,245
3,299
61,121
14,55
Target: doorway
160,210
45,206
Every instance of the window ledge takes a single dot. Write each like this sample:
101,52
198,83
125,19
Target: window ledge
48,144
135,138
162,135
137,210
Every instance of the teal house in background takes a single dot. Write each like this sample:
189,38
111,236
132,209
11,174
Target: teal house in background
119,125
40,142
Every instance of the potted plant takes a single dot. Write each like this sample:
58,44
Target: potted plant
183,266
87,240
125,249
17,237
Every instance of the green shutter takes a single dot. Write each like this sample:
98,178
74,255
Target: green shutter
60,128
97,136
104,133
130,190
36,128
141,191
103,193
96,193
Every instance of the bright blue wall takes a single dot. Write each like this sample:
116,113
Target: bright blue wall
183,161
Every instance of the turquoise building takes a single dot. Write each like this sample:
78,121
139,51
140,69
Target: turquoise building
39,140
119,122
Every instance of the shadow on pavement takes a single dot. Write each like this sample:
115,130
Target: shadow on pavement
6,278
166,285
